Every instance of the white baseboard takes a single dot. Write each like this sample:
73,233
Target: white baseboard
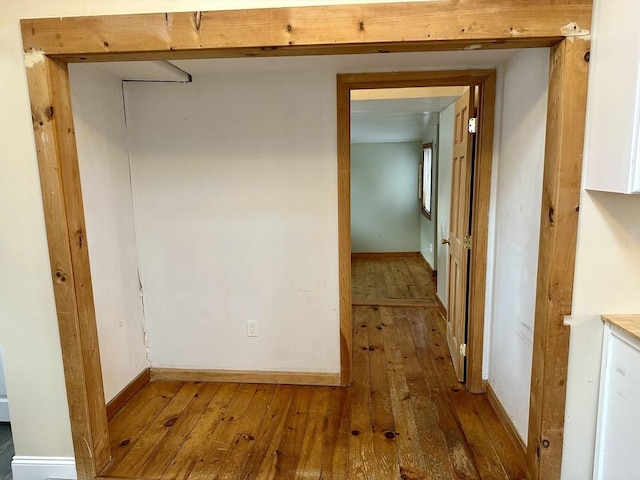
43,468
4,410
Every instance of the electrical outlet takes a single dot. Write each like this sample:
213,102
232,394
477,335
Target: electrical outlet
252,328
430,247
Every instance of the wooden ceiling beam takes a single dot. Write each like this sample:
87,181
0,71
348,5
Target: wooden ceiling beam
337,29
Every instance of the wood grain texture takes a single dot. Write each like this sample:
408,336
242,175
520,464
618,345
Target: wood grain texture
462,162
166,449
510,428
391,281
245,376
127,393
627,323
343,110
480,233
370,255
556,258
54,136
434,25
194,446
128,426
262,459
400,419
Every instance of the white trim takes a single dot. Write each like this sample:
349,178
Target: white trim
42,468
4,410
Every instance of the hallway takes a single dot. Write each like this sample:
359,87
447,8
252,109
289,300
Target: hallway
405,416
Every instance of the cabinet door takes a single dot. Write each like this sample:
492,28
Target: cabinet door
613,112
618,432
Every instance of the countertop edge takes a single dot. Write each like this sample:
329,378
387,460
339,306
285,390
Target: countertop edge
630,324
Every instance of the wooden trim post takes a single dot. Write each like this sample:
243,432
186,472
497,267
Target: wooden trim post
480,234
64,217
326,30
566,112
344,229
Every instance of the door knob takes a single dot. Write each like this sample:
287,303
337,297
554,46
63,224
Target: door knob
445,241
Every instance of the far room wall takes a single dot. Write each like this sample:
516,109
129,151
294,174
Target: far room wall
385,210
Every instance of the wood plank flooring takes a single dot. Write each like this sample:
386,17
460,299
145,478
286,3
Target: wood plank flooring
390,280
405,416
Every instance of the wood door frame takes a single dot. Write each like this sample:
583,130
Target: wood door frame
437,25
486,81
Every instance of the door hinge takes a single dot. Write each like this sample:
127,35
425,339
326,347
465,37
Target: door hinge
466,242
472,125
463,349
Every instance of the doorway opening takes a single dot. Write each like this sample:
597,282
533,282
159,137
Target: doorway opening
479,95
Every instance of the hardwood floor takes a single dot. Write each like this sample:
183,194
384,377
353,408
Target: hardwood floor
405,416
403,280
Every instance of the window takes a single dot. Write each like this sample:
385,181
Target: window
426,168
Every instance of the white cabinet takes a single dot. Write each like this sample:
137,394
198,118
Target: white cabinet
617,453
612,145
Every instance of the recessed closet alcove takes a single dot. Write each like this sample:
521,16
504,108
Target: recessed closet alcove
211,199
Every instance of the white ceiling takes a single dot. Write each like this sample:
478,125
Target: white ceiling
153,71
399,120
395,120
350,63
166,71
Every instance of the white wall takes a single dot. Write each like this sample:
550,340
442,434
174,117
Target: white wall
445,157
427,226
608,230
101,137
238,223
491,226
517,221
385,210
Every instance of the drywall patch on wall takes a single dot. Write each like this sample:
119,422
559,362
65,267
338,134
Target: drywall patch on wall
384,202
104,172
572,29
519,193
234,179
33,58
